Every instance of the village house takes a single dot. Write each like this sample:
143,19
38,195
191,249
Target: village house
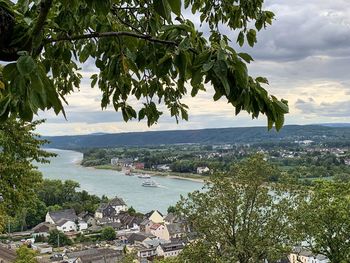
123,162
169,249
160,231
118,204
202,170
88,218
65,220
155,216
42,248
94,255
43,229
105,211
139,166
176,230
128,221
110,210
138,238
301,255
145,226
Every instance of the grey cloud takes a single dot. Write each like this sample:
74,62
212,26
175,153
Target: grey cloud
325,109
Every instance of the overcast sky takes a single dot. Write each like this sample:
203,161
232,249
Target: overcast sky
305,55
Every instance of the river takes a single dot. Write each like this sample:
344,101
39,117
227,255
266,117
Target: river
112,183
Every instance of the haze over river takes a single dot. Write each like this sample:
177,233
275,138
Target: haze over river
111,183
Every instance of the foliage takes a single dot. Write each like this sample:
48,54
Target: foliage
19,148
25,255
129,256
108,233
57,238
55,193
171,209
144,50
325,219
240,219
40,239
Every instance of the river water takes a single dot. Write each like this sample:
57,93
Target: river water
112,183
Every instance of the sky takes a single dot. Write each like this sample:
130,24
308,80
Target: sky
305,54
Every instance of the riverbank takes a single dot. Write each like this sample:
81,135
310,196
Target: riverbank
171,175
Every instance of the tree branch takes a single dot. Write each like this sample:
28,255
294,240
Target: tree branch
45,6
111,34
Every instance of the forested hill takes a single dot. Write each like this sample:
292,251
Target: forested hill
290,133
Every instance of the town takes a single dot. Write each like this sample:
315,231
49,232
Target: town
110,234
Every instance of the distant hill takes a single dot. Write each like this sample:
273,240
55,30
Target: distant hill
289,133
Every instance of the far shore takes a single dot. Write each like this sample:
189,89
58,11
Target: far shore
171,175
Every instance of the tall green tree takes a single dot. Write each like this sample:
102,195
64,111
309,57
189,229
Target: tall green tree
325,220
19,148
143,49
240,218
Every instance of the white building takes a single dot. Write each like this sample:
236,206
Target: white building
169,249
65,220
201,170
306,256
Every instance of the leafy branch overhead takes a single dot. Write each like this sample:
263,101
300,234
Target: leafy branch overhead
143,49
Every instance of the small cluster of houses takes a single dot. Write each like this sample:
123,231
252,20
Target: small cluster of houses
151,235
128,164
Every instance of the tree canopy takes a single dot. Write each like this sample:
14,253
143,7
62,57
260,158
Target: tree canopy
19,148
148,55
325,220
240,218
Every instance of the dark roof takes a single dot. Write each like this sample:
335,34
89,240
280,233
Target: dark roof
145,222
7,254
43,227
117,201
170,217
92,255
68,214
171,246
138,237
106,209
129,220
175,228
101,207
150,213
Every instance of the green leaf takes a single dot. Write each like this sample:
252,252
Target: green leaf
207,66
240,38
251,37
184,114
279,122
220,69
175,6
246,57
262,80
10,72
25,65
283,108
163,8
4,103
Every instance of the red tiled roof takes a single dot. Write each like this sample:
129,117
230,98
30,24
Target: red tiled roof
155,226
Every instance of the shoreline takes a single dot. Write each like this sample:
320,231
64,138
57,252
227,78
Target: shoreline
189,177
